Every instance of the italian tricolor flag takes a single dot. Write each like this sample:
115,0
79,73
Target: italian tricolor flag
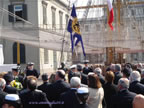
111,15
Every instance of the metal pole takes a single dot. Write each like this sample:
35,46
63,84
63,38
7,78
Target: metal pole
18,53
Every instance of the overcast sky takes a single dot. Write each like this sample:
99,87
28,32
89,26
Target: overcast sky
93,13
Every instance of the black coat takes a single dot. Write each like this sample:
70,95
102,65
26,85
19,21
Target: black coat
123,99
86,70
142,81
70,75
101,78
109,90
2,97
137,87
70,99
34,98
10,90
118,75
57,89
84,78
33,72
46,88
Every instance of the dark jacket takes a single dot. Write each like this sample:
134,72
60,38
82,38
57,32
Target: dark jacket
43,87
33,72
2,96
70,99
10,90
46,88
84,78
70,75
109,90
57,89
123,99
118,75
142,81
137,87
34,98
101,78
86,70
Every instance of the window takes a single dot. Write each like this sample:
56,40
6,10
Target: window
67,18
22,53
18,10
132,12
46,56
135,56
53,17
98,27
61,20
142,56
44,6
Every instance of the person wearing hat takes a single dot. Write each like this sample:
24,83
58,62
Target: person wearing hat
83,94
8,88
86,69
31,71
18,79
73,69
11,101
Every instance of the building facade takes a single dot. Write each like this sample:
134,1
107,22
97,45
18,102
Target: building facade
41,19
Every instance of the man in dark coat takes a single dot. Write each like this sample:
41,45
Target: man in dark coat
45,87
124,98
31,71
83,76
2,93
8,88
69,98
117,73
86,69
33,97
135,85
98,71
59,87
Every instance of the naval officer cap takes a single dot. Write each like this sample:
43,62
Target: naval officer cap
83,94
15,68
73,67
82,90
12,99
30,63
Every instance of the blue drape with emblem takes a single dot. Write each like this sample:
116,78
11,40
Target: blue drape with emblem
74,29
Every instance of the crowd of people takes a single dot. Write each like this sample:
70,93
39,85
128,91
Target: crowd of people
97,86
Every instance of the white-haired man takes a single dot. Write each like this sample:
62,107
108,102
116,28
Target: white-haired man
135,85
124,98
98,71
2,93
69,98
